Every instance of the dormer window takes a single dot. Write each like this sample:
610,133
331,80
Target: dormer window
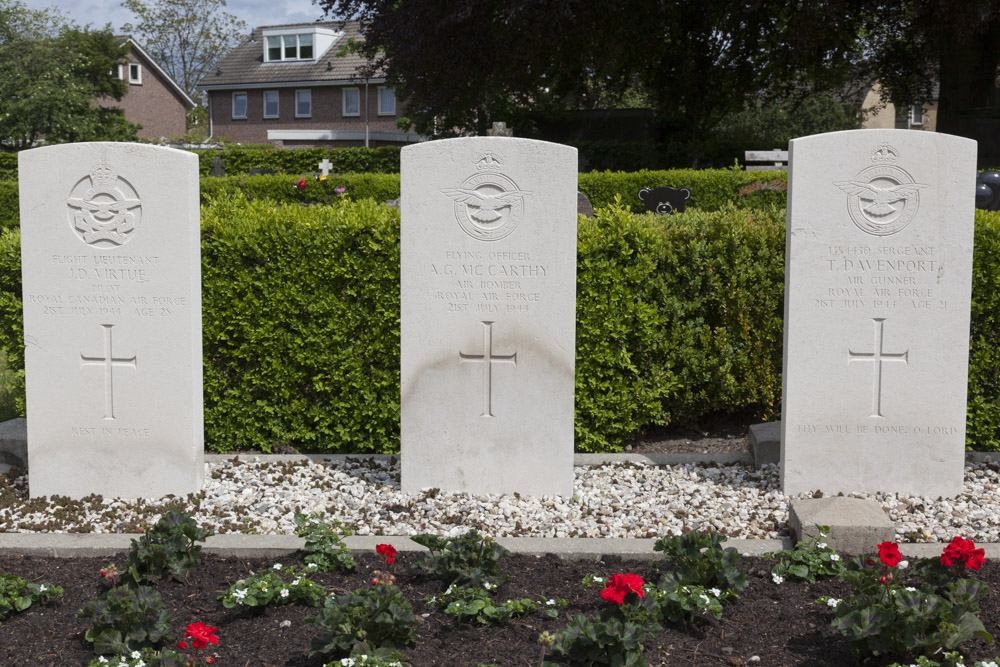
290,44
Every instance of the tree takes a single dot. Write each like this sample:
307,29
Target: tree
459,66
186,37
51,76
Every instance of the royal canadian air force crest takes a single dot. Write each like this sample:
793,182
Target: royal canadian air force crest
488,204
104,208
882,199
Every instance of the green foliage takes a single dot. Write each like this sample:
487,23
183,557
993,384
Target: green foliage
677,603
983,407
885,617
377,617
17,594
127,619
698,559
809,559
470,559
146,657
711,189
281,189
9,202
301,325
364,656
947,659
8,167
324,545
274,587
167,549
239,160
474,605
615,638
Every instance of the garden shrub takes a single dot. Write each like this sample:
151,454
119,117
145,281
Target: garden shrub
283,189
8,166
9,203
239,160
983,409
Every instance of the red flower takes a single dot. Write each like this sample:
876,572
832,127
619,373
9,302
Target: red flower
889,554
301,184
620,585
963,551
182,645
388,551
201,634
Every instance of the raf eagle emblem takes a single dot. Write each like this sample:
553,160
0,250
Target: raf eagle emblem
486,204
881,198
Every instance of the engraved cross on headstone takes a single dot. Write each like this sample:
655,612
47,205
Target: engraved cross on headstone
108,361
325,166
487,359
877,357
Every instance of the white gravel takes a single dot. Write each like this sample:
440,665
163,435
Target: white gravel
614,500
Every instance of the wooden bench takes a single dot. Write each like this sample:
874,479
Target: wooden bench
775,160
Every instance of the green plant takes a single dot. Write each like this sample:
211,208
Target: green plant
470,559
145,657
885,617
324,543
617,636
475,605
277,586
678,603
948,659
127,619
366,657
368,618
809,559
698,559
167,549
17,594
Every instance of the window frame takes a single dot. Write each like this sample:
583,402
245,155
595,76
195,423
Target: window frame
297,113
343,102
915,119
381,112
277,104
235,94
137,79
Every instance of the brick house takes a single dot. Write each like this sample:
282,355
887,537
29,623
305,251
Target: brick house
153,100
298,85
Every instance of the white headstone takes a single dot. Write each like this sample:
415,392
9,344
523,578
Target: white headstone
488,265
110,247
325,166
877,297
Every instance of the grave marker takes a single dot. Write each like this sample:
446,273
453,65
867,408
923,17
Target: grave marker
877,296
488,315
324,167
110,248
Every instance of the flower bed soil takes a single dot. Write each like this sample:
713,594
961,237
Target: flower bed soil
781,624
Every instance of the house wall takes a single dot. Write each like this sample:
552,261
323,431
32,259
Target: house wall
885,118
151,104
327,114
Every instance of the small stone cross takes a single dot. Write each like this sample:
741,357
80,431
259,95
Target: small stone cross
325,166
108,361
487,359
877,357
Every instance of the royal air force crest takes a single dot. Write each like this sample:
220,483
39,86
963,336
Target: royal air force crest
488,204
104,208
883,198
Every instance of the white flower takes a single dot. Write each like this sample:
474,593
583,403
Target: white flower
911,589
136,654
834,557
821,545
312,566
903,564
432,600
284,592
832,603
448,592
277,566
347,662
488,586
295,582
263,589
777,578
705,598
715,591
989,664
239,594
550,602
42,588
139,664
599,580
102,659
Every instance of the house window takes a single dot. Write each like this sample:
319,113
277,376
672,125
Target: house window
386,102
270,104
239,105
917,114
289,47
303,103
352,101
274,48
135,73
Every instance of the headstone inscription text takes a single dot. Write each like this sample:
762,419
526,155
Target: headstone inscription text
877,297
488,268
111,273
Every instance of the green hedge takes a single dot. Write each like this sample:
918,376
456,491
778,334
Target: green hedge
677,317
711,189
9,203
8,166
283,189
239,160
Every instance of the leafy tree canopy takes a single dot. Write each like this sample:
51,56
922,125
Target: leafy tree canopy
53,75
186,37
